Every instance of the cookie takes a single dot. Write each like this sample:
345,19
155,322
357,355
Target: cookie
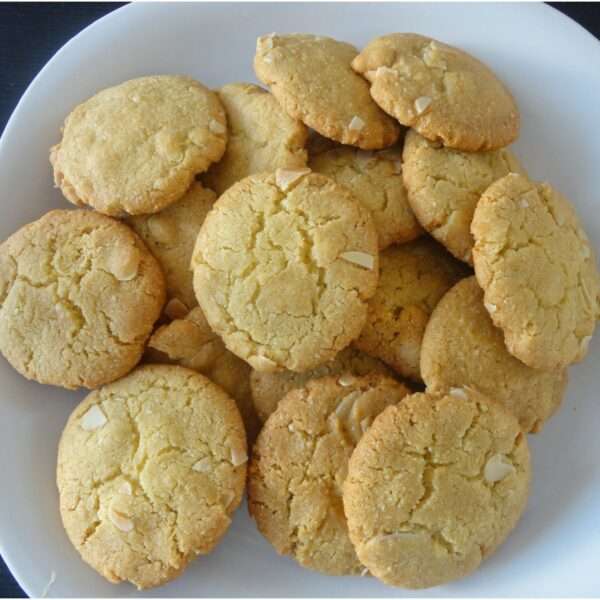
444,186
269,388
538,272
170,235
283,268
136,147
299,465
412,278
191,343
262,137
375,178
150,470
311,78
79,294
434,487
442,92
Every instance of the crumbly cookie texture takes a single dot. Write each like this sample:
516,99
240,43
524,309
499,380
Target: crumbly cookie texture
150,469
462,347
136,147
375,179
538,271
284,266
434,487
269,388
262,137
191,343
412,278
311,78
79,294
444,185
300,462
441,91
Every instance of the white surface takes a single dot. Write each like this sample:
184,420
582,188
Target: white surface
553,67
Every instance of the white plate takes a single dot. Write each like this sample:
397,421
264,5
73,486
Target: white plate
553,67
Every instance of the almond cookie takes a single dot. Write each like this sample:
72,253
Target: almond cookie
136,147
444,186
441,91
284,266
191,343
150,470
170,235
300,462
461,347
311,78
79,294
375,178
269,388
434,487
262,137
538,272
412,278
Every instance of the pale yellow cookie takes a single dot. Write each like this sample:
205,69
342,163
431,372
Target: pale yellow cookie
284,266
135,148
538,272
441,91
79,294
311,78
434,487
300,462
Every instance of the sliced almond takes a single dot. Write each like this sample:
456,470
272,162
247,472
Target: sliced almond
422,103
346,379
356,124
125,488
120,521
491,308
203,465
238,457
124,263
93,419
362,259
458,393
497,468
285,177
366,423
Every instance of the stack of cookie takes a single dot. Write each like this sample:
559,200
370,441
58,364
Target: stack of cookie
295,266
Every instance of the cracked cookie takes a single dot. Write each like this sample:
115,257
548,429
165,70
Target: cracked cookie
412,278
136,147
284,266
311,78
170,235
262,137
538,272
375,179
444,186
434,486
442,92
461,347
299,465
79,294
150,470
269,388
191,343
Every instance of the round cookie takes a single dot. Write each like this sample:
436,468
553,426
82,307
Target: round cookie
269,388
444,186
135,148
412,278
191,343
538,272
375,178
283,268
434,487
170,235
311,78
299,465
461,347
79,294
442,92
150,469
262,137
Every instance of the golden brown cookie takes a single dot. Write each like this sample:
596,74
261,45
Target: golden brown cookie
441,91
135,148
434,487
79,294
538,272
299,465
